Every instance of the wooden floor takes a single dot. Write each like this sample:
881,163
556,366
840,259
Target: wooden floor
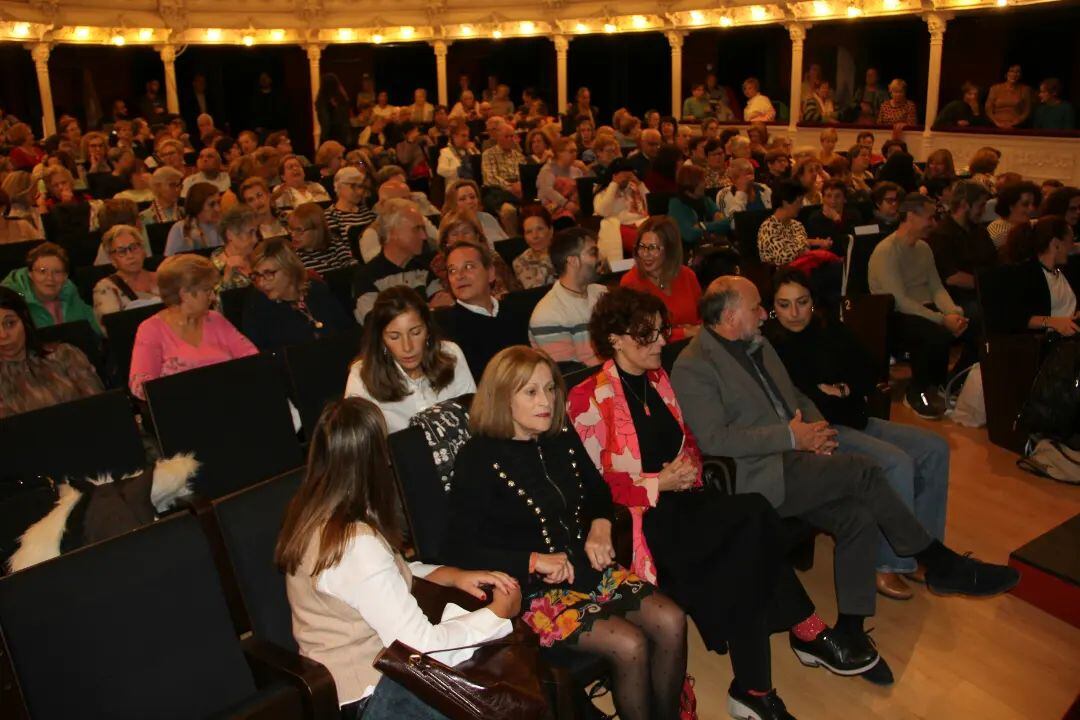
954,659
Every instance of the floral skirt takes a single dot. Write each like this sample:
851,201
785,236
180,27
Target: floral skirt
561,614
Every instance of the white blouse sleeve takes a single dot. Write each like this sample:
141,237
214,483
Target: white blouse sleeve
368,580
463,383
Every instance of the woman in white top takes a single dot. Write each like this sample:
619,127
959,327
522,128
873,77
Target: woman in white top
294,189
453,159
348,586
404,367
132,285
466,194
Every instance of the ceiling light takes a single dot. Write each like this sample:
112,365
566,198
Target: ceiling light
466,30
277,35
697,17
528,27
407,31
1002,3
610,27
821,7
757,12
376,38
146,34
496,33
248,40
20,29
639,22
853,11
213,34
581,27
345,34
891,4
82,33
726,21
118,40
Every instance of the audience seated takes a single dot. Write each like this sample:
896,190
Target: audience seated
556,184
623,200
255,193
743,193
477,321
461,226
199,228
659,271
758,106
1016,203
46,287
233,259
897,109
19,217
1009,103
500,165
290,308
33,374
295,189
340,549
465,194
739,401
313,242
533,267
632,428
781,238
166,183
1045,293
454,159
834,220
886,199
697,216
819,107
1053,113
648,146
402,233
349,209
829,366
961,244
565,562
1065,202
208,170
187,334
404,366
967,111
25,152
132,285
559,323
926,320
696,107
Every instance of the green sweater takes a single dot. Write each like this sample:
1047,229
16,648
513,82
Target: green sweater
73,306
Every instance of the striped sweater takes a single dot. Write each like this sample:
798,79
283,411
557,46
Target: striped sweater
560,324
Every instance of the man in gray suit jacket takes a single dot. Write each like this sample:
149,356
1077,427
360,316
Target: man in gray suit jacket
740,402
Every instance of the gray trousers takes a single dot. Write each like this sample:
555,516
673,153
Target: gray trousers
849,497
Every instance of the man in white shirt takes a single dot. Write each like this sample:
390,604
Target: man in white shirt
208,165
758,107
560,323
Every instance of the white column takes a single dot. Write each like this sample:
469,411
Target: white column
168,59
797,32
40,53
675,40
440,47
935,23
314,52
562,44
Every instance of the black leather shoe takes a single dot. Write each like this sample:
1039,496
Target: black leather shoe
841,653
880,674
744,706
973,578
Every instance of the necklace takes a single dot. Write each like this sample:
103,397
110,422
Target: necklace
644,394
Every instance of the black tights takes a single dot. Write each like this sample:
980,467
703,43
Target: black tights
647,653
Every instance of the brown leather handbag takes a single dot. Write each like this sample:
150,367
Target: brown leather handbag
503,679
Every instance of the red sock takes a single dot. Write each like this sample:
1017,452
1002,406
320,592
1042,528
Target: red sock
758,693
809,628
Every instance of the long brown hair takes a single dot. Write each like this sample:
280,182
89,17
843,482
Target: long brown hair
347,481
378,371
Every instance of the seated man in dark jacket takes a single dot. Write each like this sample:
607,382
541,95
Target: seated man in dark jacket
960,244
477,322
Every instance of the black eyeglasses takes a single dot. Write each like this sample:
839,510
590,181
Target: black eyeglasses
654,335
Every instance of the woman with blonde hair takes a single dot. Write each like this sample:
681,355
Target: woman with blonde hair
526,500
897,110
132,285
290,307
340,548
466,194
25,154
19,218
186,334
313,242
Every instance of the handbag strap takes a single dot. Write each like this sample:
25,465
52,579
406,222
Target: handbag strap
491,643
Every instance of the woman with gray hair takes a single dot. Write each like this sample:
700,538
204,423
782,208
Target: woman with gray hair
743,193
19,219
187,334
132,285
165,183
240,229
897,110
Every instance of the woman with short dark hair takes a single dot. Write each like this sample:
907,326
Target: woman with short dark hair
1016,203
695,214
966,111
404,366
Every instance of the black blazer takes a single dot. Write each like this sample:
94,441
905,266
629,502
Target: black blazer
1029,296
272,325
504,506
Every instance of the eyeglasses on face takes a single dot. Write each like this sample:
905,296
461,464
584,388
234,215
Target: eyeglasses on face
123,250
267,275
650,248
50,272
654,335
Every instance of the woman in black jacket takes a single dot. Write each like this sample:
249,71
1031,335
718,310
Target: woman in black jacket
527,501
332,109
1044,283
288,308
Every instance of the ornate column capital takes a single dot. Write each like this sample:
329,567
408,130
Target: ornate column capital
167,53
935,23
40,52
314,52
440,46
797,31
562,43
675,39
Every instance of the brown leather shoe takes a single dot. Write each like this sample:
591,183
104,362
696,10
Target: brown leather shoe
918,576
892,586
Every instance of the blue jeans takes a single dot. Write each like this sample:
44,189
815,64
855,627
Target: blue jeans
916,464
391,701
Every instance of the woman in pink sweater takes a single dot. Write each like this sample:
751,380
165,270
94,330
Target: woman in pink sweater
186,334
